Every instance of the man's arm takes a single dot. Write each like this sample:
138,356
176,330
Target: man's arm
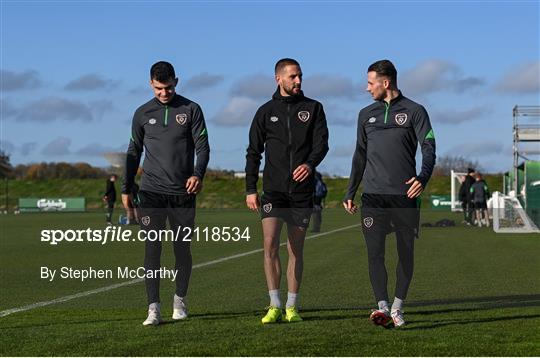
200,139
320,139
255,149
134,153
426,138
358,161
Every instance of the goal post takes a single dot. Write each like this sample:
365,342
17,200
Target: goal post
456,178
509,216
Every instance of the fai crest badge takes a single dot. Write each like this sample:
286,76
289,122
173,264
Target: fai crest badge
145,220
368,222
181,118
303,116
401,118
267,207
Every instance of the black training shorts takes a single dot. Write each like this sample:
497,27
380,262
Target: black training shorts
294,208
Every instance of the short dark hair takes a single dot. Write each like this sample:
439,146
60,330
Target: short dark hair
384,68
162,72
285,62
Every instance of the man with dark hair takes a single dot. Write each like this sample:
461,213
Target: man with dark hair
388,133
465,196
479,196
110,197
291,129
281,64
171,129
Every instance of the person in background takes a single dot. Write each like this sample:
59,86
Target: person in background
465,196
480,195
110,197
318,197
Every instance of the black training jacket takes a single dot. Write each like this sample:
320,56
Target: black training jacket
171,135
290,131
387,138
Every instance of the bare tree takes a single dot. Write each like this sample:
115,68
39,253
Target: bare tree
446,163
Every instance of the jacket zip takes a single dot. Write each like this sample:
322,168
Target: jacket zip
290,144
387,105
166,115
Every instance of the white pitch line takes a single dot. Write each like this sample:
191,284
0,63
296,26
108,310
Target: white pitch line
131,282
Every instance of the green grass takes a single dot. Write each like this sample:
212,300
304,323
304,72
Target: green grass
474,293
218,192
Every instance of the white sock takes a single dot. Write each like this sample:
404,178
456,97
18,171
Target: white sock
155,306
291,299
383,305
397,305
274,298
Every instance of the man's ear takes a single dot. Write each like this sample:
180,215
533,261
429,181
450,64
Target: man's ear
176,81
386,83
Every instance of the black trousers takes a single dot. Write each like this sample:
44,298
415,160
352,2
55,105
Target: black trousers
155,209
382,214
110,209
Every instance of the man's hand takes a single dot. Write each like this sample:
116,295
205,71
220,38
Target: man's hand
350,206
193,185
301,172
416,188
252,202
126,201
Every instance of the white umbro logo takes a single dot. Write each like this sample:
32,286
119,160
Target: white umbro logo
152,121
274,119
372,120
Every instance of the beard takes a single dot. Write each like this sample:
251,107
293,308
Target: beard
290,90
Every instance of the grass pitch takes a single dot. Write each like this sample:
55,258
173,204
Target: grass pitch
474,293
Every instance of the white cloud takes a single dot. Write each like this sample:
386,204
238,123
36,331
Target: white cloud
238,112
13,81
202,81
57,147
91,82
434,76
525,78
452,116
477,149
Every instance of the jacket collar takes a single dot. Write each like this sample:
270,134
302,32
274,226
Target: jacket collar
394,100
287,99
171,102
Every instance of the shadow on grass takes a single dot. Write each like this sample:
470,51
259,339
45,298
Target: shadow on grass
479,303
346,313
443,323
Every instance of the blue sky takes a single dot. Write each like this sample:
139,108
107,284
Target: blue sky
72,73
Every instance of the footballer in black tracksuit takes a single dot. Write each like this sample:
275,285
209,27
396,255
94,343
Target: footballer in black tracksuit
110,199
384,159
171,135
290,130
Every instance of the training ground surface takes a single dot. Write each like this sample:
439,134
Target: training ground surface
473,293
